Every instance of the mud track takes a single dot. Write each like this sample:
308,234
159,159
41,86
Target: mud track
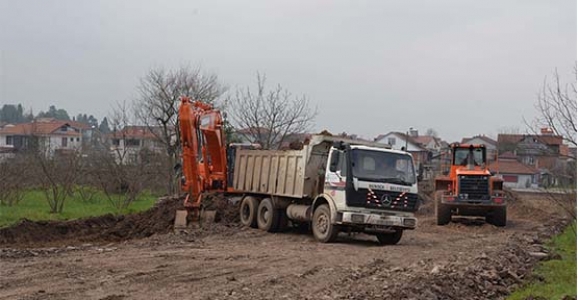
467,259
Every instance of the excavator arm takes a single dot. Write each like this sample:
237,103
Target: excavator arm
203,145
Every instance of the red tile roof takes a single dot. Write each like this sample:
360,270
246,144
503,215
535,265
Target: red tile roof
404,136
512,167
44,127
516,138
423,139
508,155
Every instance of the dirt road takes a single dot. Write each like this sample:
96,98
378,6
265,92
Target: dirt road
467,259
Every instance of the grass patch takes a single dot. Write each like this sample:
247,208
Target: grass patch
559,275
34,207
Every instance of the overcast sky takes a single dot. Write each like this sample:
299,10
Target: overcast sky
460,67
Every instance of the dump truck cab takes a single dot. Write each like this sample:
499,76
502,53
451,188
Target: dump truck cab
469,188
373,190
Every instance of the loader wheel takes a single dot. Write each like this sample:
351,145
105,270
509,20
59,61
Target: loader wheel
248,211
498,217
322,228
443,214
267,216
389,238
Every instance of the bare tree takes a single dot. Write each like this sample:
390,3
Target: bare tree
158,100
557,107
14,179
557,111
56,176
270,116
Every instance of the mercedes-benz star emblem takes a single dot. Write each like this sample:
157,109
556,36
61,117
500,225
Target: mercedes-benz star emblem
385,200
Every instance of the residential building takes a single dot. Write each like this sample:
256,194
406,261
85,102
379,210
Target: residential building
49,135
398,141
129,143
541,151
514,173
545,152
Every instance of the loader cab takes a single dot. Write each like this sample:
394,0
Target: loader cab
469,154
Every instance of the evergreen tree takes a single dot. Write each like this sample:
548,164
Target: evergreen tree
104,126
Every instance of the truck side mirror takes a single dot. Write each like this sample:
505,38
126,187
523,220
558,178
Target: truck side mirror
334,161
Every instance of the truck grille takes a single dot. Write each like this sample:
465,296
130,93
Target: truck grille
392,200
475,187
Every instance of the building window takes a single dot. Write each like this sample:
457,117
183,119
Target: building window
63,128
78,139
64,142
9,140
391,141
132,143
71,140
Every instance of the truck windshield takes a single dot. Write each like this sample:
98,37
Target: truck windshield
383,166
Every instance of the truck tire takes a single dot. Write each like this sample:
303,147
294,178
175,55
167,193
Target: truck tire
389,238
322,228
443,213
267,216
498,217
248,211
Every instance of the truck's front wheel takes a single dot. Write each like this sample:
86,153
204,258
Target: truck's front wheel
323,230
389,238
248,211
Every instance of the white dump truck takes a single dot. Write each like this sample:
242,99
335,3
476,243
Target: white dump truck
334,184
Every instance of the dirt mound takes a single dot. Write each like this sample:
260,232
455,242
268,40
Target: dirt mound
108,228
489,275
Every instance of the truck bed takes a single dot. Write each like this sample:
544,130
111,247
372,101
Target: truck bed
272,172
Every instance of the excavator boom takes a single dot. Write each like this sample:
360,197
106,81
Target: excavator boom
203,147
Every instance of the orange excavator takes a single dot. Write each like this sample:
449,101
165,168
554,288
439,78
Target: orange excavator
204,158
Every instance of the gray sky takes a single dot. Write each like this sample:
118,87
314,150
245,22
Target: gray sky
460,67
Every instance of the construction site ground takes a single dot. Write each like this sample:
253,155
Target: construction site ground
140,257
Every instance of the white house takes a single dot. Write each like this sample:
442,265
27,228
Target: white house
398,140
514,173
128,144
51,135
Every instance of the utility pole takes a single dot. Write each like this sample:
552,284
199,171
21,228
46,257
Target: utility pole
407,137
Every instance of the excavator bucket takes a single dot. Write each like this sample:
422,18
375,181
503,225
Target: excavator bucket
183,219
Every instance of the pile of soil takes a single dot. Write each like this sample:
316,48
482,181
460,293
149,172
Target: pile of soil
491,275
109,228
